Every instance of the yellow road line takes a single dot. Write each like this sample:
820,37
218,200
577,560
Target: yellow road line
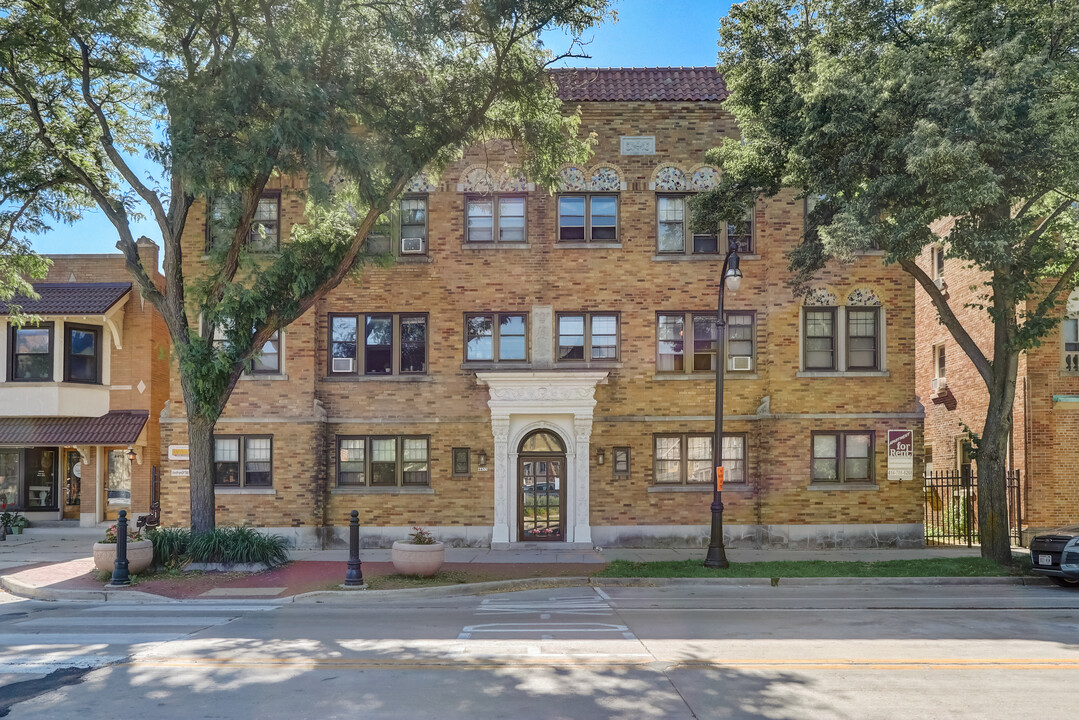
464,663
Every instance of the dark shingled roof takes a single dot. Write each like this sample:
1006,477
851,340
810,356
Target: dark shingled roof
69,298
671,84
119,427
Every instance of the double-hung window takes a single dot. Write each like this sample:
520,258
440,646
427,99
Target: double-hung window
863,334
686,459
495,219
1069,330
820,339
377,344
496,337
675,233
264,233
741,232
30,354
82,353
842,457
680,333
587,336
402,231
243,461
266,360
383,461
588,218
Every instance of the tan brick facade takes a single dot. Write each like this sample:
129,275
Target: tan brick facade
776,405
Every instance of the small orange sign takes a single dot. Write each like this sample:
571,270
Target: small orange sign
719,479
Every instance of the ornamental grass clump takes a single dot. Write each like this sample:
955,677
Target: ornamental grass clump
232,545
170,546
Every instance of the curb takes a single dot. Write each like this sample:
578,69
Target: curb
464,589
32,592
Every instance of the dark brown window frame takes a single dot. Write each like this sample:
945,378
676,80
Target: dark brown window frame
208,231
688,235
467,452
805,338
588,197
876,337
11,354
400,225
96,331
359,367
399,460
495,199
689,339
587,315
614,461
496,335
280,358
242,459
841,456
684,458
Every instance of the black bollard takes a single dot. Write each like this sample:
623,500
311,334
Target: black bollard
354,576
120,576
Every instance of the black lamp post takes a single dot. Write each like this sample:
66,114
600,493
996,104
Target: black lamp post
732,280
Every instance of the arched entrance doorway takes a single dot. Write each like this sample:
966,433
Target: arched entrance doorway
541,488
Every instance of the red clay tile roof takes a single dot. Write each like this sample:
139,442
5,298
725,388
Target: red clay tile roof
671,84
70,298
119,427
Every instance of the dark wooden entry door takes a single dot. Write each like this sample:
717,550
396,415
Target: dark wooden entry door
542,497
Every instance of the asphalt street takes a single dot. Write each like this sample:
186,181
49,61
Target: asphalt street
692,651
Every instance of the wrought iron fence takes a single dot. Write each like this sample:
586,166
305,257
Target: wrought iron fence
951,508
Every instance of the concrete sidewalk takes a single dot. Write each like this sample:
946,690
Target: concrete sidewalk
56,564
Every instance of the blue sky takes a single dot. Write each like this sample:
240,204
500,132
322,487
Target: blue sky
648,33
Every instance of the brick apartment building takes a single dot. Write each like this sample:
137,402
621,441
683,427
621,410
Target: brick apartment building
1046,411
79,391
540,366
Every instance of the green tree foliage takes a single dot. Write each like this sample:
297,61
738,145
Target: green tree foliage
355,97
900,113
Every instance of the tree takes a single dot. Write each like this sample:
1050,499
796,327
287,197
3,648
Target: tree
355,97
901,113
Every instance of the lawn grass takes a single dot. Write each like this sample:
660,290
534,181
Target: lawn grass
926,567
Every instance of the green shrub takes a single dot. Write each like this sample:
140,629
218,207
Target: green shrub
170,545
237,545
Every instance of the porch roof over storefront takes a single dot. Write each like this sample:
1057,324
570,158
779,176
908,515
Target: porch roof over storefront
119,427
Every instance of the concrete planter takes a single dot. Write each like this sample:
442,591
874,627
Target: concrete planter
424,560
140,553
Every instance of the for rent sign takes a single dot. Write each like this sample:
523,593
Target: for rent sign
900,454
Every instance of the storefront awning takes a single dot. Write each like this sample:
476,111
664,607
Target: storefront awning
119,427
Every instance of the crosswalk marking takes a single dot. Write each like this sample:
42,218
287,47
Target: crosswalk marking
114,621
551,618
193,606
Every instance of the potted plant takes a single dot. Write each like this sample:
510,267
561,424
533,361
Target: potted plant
11,519
140,553
419,555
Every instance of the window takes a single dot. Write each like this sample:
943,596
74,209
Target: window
82,353
843,457
687,459
620,461
703,339
461,461
383,461
939,362
407,222
588,218
30,353
863,352
495,337
741,232
392,344
268,359
587,336
495,219
675,234
1070,332
936,254
243,461
264,233
820,339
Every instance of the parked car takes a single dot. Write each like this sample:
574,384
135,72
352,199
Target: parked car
1056,555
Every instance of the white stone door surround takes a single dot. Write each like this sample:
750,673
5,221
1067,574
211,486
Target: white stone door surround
521,402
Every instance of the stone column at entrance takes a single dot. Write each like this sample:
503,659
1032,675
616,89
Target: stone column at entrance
582,528
503,494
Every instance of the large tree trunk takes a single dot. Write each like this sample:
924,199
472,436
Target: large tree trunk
993,525
200,438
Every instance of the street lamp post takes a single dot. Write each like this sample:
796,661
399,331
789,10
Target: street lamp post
731,280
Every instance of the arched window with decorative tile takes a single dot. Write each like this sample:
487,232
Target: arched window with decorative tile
588,205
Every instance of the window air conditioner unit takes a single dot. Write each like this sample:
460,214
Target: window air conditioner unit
411,246
342,365
939,384
740,362
939,282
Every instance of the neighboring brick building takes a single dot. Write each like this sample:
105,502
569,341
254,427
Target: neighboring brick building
540,366
1046,411
80,390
